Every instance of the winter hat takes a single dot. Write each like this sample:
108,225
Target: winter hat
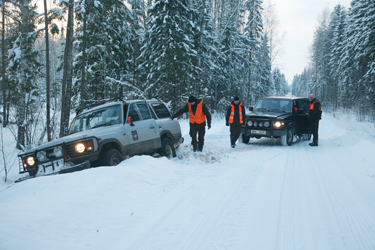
236,98
312,95
192,99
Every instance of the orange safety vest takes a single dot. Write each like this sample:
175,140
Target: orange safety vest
199,117
312,105
231,117
320,109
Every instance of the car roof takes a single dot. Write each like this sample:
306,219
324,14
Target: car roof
108,104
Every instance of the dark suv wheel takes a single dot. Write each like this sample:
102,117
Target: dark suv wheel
287,139
245,138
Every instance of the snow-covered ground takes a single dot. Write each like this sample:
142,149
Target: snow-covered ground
257,196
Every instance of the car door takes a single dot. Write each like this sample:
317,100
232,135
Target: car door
142,129
302,121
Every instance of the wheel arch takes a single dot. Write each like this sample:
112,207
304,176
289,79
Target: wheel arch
167,134
106,145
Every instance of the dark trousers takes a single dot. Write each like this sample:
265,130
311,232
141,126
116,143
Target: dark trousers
235,131
314,130
199,129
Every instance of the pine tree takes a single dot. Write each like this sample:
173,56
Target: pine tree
253,32
171,51
102,36
337,30
205,43
24,67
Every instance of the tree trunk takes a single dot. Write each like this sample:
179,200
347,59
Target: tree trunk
83,78
21,112
3,67
67,73
47,74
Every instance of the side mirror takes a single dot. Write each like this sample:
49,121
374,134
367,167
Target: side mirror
251,108
130,120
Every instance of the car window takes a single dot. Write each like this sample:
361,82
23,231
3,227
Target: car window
286,105
143,109
305,105
153,115
161,110
133,112
98,118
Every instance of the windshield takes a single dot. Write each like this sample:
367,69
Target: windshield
98,118
274,105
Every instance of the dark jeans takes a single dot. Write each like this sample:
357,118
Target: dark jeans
235,131
314,130
199,129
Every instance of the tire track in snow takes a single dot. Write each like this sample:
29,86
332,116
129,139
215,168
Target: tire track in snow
344,216
286,231
232,187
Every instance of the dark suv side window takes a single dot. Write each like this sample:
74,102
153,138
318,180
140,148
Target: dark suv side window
305,105
161,110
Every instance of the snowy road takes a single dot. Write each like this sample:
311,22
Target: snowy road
257,196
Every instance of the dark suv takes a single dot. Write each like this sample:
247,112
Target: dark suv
278,117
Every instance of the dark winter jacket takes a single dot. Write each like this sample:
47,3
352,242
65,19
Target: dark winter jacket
314,114
236,120
185,109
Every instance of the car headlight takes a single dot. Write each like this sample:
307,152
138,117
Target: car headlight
80,147
57,151
255,124
261,124
41,155
266,124
249,123
30,160
278,124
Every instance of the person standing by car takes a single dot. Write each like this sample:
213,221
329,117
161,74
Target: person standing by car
235,118
314,115
198,114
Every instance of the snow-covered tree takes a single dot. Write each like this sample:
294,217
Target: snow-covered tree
24,68
171,51
102,45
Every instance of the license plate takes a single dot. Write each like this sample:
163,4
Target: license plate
260,132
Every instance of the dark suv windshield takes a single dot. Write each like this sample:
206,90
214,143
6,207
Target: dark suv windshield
274,105
98,118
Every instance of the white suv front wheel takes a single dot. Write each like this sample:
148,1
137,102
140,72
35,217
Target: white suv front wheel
112,157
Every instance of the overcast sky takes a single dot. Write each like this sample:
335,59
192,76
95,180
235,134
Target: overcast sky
298,20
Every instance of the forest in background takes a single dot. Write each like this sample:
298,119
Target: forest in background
342,69
101,50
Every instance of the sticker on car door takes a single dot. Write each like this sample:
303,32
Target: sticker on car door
135,135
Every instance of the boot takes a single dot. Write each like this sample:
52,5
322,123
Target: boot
200,146
194,146
313,144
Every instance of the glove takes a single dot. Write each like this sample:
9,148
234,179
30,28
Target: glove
172,117
209,126
227,124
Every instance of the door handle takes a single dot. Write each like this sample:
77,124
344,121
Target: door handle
152,127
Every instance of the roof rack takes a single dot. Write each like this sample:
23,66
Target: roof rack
89,104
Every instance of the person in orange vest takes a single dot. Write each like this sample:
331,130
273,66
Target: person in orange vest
314,115
198,114
235,117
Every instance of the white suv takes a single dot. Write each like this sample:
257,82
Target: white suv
105,136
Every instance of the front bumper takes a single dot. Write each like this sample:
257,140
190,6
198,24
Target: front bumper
56,166
257,132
